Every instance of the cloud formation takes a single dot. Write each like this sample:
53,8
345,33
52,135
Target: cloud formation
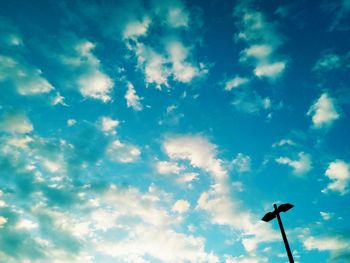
323,112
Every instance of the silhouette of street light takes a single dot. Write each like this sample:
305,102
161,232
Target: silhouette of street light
276,213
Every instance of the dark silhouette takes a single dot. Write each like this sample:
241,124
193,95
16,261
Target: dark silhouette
276,213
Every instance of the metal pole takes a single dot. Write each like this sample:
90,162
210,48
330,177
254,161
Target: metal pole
291,260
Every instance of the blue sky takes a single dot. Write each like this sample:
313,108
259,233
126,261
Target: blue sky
162,131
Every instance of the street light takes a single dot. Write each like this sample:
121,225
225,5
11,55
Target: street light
276,213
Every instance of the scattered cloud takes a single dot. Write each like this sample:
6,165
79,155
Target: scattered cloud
108,124
15,123
262,39
235,82
135,29
124,153
338,172
181,206
326,243
300,166
27,79
323,111
164,167
245,259
217,201
326,215
92,82
242,163
249,101
132,99
10,35
327,62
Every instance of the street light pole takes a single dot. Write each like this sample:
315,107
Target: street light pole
285,240
276,213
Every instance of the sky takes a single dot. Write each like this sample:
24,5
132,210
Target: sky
163,130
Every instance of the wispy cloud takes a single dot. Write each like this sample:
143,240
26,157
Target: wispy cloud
263,41
27,79
217,201
13,122
300,166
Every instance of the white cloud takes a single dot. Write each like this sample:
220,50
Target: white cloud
92,82
153,65
323,111
218,201
173,13
249,101
328,243
245,259
150,233
96,85
326,215
181,206
182,70
71,122
339,173
270,70
124,153
26,224
3,221
235,82
300,166
15,123
187,178
108,124
284,142
241,163
164,167
136,29
132,99
328,62
263,41
27,79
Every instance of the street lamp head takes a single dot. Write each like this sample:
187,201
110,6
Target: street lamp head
285,207
269,216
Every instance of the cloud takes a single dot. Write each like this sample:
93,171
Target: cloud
164,167
153,65
340,11
263,42
108,124
326,215
241,163
338,172
132,99
327,243
218,202
27,79
173,13
15,123
327,62
235,82
249,101
124,153
10,35
323,111
136,29
269,70
245,259
87,71
181,206
300,166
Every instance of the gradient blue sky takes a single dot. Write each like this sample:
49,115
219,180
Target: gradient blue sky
162,131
